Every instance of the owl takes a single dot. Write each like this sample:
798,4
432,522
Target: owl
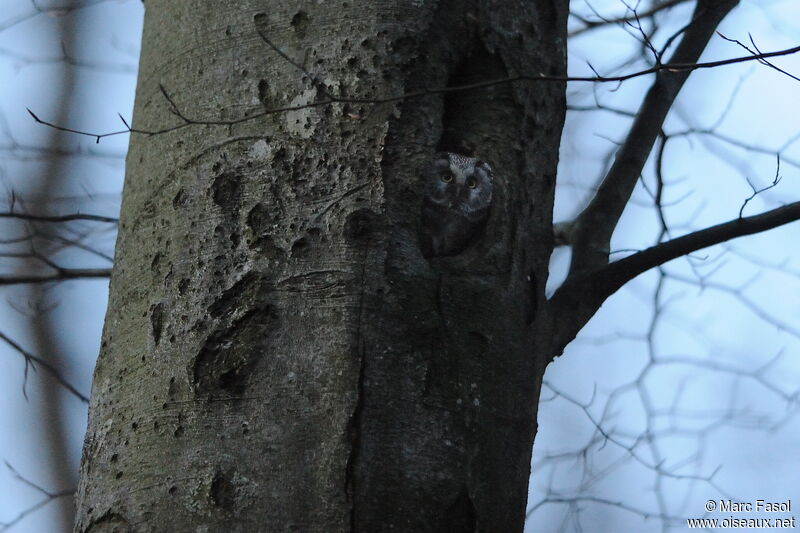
457,199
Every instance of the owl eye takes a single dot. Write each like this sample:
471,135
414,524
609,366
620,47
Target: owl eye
446,177
472,182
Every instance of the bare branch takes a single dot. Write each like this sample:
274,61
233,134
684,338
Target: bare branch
611,277
594,24
78,132
598,220
755,52
756,192
676,68
581,295
33,360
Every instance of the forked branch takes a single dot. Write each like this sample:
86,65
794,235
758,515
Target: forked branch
595,225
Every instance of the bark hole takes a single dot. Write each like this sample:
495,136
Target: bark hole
300,23
465,111
157,321
299,246
264,92
183,286
259,219
223,492
226,189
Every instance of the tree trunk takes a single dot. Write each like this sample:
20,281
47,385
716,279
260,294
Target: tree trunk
278,355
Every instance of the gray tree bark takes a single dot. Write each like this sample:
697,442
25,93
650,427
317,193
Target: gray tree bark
277,354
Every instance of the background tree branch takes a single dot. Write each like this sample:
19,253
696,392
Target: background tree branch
626,19
62,274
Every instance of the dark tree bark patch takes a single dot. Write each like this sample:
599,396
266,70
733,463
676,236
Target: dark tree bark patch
460,517
157,321
179,200
228,355
109,523
242,292
218,368
300,23
226,189
264,95
223,492
360,224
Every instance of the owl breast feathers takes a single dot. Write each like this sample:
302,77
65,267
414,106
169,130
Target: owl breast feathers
457,199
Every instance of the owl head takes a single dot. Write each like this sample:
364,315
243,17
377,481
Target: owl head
461,184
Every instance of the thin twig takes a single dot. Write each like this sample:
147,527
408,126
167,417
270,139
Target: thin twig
32,360
665,67
756,192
